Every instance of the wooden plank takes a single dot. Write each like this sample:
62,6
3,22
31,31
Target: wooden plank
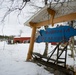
64,18
54,66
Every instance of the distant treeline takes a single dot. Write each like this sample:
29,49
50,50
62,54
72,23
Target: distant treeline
6,37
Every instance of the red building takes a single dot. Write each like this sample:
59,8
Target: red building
21,39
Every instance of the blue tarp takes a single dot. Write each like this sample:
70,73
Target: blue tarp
56,34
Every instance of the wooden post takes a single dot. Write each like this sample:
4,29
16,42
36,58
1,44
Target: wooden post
75,73
52,13
52,17
75,69
31,44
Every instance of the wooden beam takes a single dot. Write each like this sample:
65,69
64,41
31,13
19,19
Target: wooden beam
29,55
52,19
51,11
32,24
64,18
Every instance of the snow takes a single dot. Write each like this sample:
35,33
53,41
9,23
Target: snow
13,59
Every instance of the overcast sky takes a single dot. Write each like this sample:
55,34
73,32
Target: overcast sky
14,23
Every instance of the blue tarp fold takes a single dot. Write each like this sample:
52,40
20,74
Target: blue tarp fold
56,34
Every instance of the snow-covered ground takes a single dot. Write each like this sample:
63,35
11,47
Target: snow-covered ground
13,60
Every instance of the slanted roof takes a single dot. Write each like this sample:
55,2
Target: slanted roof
61,9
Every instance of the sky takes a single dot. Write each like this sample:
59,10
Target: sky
13,27
13,24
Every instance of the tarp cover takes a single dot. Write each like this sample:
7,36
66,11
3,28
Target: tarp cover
57,34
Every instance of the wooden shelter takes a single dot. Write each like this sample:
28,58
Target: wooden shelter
58,12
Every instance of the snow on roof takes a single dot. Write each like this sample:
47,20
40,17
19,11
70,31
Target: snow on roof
61,10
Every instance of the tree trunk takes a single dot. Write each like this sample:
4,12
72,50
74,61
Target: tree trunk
46,44
46,49
71,43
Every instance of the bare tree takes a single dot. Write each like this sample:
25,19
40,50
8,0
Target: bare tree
71,42
18,6
12,5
